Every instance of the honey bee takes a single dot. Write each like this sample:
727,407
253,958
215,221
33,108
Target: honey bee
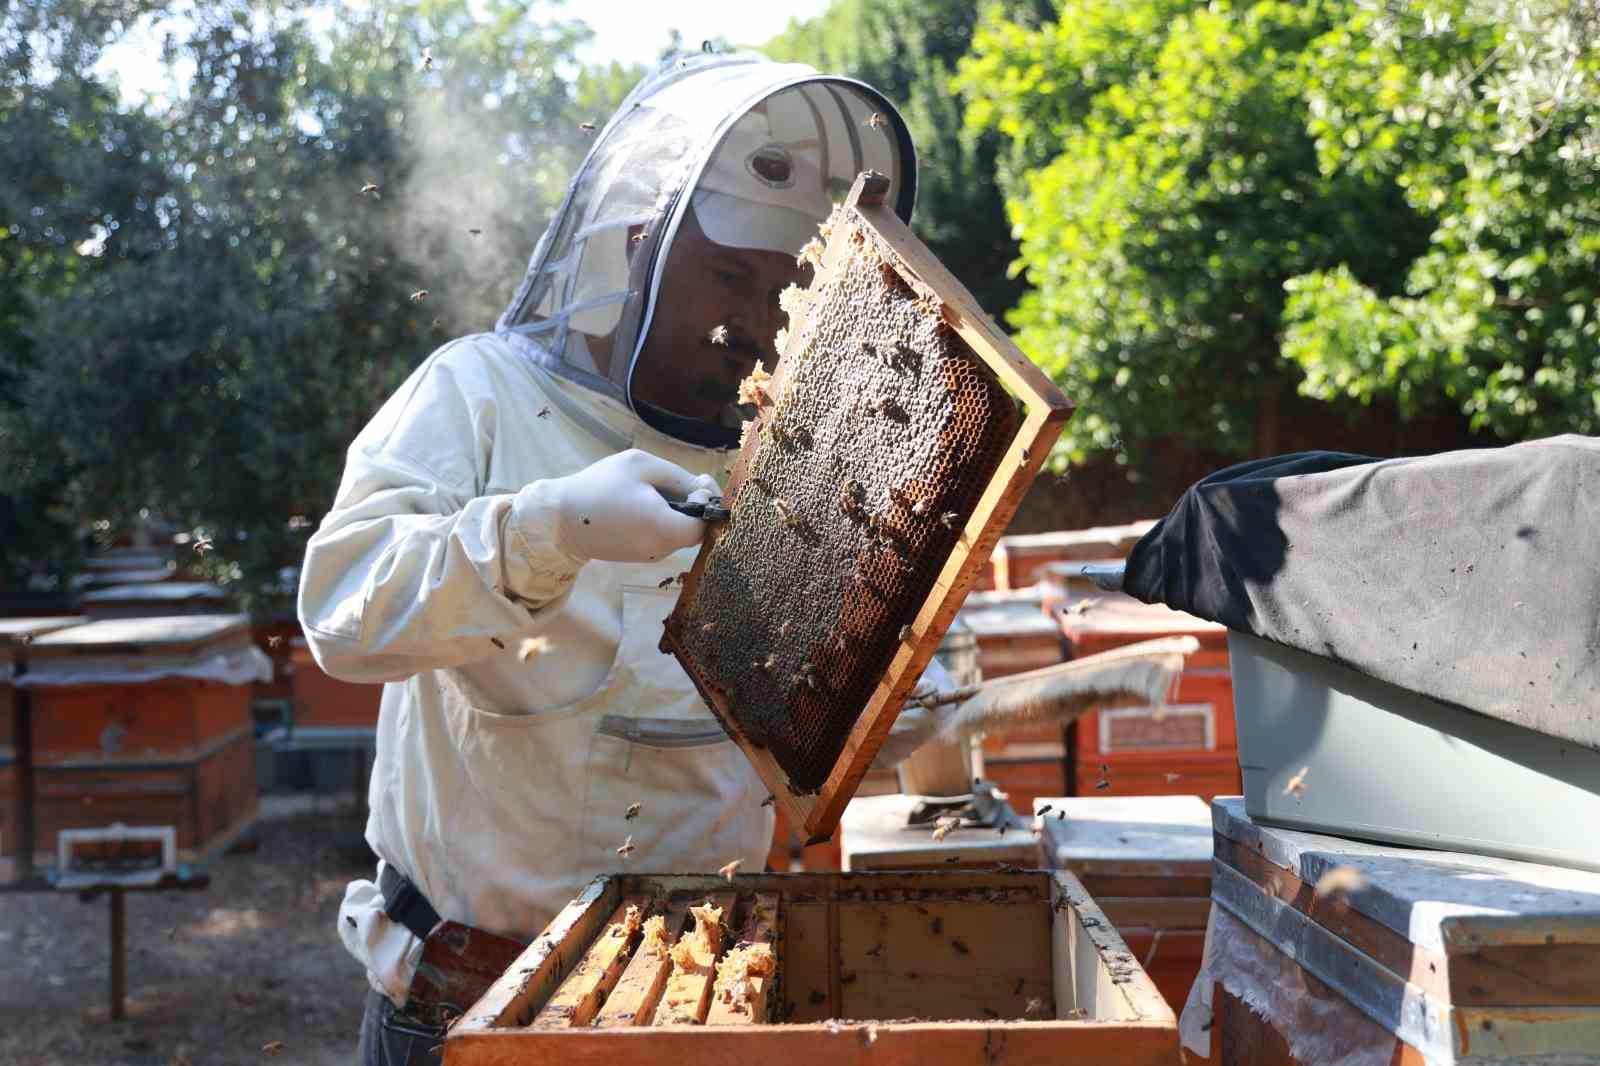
497,642
960,946
730,869
876,120
949,519
274,640
1297,784
627,847
786,511
770,801
664,582
919,508
1105,778
942,827
543,412
1340,879
586,127
272,1048
1035,1006
719,335
369,189
771,661
906,633
708,628
633,811
1172,778
785,629
811,253
418,296
427,59
202,543
532,646
640,237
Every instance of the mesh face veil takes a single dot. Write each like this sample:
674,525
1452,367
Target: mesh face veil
760,150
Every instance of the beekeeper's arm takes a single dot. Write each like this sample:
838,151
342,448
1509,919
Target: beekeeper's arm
413,569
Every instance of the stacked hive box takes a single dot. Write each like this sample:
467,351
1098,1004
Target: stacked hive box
876,836
158,599
1022,560
1323,947
1146,860
928,967
1015,634
146,722
324,702
15,634
1190,747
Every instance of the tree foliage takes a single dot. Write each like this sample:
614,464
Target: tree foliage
1224,204
1487,116
908,50
207,306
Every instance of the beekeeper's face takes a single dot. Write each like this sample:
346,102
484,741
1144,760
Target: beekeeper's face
716,314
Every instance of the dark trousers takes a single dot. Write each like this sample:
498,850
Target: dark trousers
390,1038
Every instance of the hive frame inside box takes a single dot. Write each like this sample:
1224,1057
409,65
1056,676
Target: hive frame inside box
1045,411
1123,1017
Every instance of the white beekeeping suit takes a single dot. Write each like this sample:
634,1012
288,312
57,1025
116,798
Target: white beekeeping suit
498,543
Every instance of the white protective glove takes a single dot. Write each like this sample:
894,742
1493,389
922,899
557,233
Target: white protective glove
616,509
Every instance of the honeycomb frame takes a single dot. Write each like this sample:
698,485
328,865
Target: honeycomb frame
812,777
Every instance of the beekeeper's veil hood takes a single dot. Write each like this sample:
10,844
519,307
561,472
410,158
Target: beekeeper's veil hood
761,149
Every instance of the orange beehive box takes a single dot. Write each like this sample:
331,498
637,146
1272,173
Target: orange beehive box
147,722
1022,560
322,701
209,799
1190,747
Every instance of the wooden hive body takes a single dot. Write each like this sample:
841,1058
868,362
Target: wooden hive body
892,444
1425,956
932,967
1146,860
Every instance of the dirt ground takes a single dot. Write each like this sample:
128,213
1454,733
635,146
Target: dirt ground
213,975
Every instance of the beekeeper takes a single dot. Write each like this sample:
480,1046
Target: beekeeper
501,534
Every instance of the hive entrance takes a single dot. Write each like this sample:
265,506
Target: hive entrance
886,457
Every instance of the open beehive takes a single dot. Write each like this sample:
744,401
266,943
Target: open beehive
892,444
948,967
